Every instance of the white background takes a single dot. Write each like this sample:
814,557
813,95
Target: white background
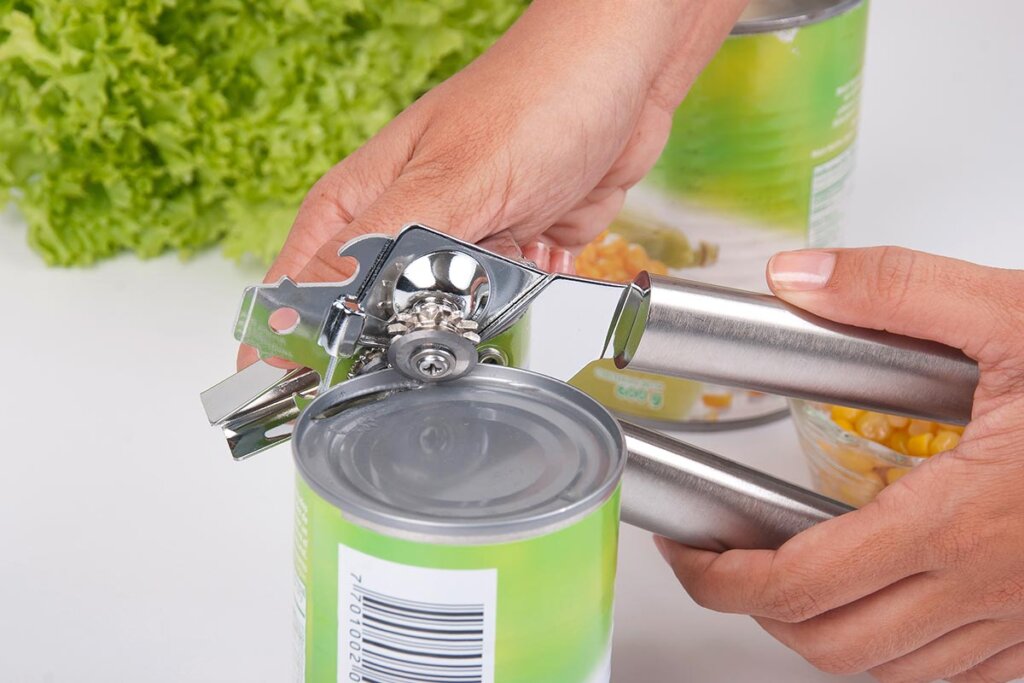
133,549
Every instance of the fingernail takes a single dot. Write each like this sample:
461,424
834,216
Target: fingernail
801,270
562,261
539,253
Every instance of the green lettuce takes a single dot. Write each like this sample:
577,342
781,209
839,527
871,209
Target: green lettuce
154,125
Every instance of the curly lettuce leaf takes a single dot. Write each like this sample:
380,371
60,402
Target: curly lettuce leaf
155,125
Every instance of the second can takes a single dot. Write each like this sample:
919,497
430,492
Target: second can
462,531
759,161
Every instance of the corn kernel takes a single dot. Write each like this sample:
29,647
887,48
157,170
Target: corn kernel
894,473
717,400
873,426
944,441
958,429
897,422
844,413
845,424
917,427
919,444
857,461
898,442
860,493
636,257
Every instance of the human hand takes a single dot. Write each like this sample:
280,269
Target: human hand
537,139
927,581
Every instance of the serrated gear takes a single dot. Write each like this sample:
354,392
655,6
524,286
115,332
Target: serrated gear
433,314
368,361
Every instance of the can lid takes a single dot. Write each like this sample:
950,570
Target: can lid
497,455
762,16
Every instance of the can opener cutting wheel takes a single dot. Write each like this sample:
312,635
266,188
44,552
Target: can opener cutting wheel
433,307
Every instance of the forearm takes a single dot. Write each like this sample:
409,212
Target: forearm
662,43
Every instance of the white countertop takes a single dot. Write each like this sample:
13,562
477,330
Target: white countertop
133,549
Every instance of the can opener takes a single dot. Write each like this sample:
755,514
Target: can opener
432,307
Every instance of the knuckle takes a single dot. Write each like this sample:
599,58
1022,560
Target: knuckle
792,604
1005,595
789,595
895,273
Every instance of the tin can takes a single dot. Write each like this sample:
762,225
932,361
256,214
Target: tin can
759,161
460,531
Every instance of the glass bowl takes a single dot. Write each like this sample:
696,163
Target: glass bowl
844,465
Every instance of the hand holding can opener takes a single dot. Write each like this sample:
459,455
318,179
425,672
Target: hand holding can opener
432,307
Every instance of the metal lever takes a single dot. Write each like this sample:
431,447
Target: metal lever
756,341
700,499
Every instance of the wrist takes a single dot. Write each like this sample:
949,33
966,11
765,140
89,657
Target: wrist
664,43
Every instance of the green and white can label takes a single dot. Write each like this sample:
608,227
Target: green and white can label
370,607
463,531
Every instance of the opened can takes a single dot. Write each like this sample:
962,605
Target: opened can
759,161
457,531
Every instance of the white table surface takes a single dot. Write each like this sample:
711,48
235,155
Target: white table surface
133,549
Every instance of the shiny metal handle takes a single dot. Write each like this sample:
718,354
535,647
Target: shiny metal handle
698,498
756,341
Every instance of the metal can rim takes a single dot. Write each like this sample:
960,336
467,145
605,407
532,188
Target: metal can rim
772,24
458,532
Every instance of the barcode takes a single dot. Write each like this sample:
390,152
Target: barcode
408,641
404,624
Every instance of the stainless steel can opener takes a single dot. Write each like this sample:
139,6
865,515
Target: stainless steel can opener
433,307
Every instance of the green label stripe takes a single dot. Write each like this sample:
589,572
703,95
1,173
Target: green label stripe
552,607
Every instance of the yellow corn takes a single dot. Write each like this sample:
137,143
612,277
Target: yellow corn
897,422
844,413
610,257
920,444
873,426
917,427
857,461
917,438
894,473
845,424
717,400
898,442
944,441
860,493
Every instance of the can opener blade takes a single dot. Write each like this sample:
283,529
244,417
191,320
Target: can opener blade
387,307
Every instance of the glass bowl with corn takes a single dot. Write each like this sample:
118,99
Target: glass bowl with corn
853,454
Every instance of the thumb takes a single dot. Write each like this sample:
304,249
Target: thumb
971,307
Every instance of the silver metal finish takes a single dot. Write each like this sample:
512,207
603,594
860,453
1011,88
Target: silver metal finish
755,341
432,355
762,16
453,274
574,315
492,356
510,455
489,290
256,406
702,500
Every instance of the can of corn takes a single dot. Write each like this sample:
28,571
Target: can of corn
459,531
759,161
